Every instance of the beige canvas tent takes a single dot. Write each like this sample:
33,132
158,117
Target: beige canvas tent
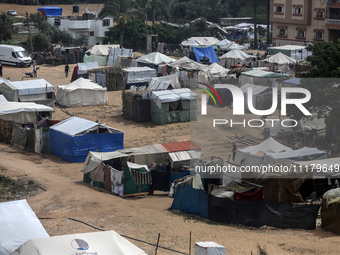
107,242
81,92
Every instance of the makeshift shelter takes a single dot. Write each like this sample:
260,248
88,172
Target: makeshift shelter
72,138
111,78
253,155
164,83
233,57
223,43
81,92
115,57
280,62
205,55
212,73
302,154
171,106
257,76
19,224
39,91
233,46
199,41
105,242
260,100
139,76
99,54
187,71
84,68
330,211
154,59
293,51
102,169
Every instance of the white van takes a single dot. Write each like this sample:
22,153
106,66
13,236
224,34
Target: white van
14,55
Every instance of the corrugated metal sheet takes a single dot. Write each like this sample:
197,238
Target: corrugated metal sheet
181,146
184,155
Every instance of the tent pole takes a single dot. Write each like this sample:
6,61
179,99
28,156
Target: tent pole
190,244
159,235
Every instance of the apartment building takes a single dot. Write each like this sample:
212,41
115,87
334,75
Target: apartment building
300,22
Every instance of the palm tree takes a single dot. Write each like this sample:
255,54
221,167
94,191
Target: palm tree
121,11
153,5
165,6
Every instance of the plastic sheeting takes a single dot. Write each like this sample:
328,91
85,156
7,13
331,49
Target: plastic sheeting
265,212
140,74
81,92
155,58
207,52
164,82
106,242
83,68
101,60
114,53
190,200
166,96
18,224
185,94
200,41
101,50
71,140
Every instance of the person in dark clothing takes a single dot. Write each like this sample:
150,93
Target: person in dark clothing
234,151
34,71
66,70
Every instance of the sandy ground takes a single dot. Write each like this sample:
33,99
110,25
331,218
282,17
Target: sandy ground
66,196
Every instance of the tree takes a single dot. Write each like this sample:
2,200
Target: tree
5,28
153,5
121,11
165,6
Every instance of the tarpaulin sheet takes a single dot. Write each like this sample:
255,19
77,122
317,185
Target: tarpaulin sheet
330,217
266,212
76,148
190,200
51,11
208,52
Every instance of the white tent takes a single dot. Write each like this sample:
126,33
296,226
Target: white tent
81,92
233,57
294,155
253,155
101,50
107,242
164,82
22,112
257,90
199,41
280,62
187,64
233,46
155,58
18,225
211,72
293,51
223,43
3,99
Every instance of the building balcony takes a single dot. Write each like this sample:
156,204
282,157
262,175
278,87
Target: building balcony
79,24
333,23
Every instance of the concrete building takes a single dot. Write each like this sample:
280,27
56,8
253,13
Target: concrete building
300,22
88,24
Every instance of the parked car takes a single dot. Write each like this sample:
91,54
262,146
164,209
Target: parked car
12,13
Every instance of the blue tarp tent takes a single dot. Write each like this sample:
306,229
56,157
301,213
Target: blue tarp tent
51,11
74,137
207,52
190,200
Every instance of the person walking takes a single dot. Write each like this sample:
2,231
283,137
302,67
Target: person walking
0,69
66,70
34,71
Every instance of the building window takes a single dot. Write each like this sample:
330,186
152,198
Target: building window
278,8
91,33
106,22
318,34
282,31
319,13
86,34
57,22
300,33
297,10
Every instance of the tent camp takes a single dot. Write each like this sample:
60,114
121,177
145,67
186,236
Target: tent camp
205,54
257,76
81,92
39,91
293,51
99,53
234,57
280,62
164,82
106,242
18,225
154,59
74,137
253,155
212,73
139,76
